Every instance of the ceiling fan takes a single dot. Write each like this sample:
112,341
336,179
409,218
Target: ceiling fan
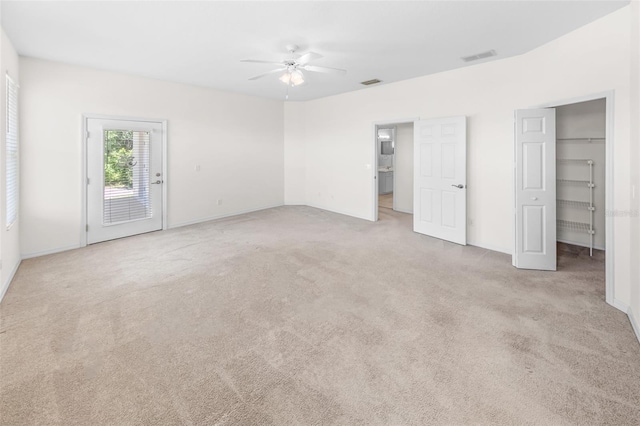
292,68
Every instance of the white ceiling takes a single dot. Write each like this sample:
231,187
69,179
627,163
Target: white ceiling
202,42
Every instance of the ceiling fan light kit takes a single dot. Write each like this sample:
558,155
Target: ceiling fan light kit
293,78
293,67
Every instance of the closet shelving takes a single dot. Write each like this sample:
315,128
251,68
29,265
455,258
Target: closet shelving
584,227
574,226
583,205
583,140
586,183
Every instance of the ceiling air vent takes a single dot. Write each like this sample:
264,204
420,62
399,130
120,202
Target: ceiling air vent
370,82
482,55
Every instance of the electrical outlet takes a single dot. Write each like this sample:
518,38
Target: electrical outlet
197,167
219,202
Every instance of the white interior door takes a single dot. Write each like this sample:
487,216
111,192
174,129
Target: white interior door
535,189
124,185
440,178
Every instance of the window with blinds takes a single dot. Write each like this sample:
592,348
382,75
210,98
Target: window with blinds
126,176
11,153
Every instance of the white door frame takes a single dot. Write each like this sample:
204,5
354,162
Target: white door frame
609,97
374,174
84,160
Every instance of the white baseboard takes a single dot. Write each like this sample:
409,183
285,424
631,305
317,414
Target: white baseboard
51,251
222,216
343,212
634,324
573,243
5,285
490,247
76,246
403,211
632,319
620,306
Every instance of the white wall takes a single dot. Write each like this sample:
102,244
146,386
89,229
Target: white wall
294,153
403,169
237,140
582,120
592,59
9,239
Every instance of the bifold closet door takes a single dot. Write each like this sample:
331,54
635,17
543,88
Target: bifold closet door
535,189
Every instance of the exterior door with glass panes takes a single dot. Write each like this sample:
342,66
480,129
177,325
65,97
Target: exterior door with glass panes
124,178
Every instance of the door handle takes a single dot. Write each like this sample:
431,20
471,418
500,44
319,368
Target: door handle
460,186
158,182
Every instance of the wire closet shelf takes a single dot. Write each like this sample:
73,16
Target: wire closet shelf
576,226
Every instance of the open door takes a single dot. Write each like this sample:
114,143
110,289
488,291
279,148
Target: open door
440,178
535,189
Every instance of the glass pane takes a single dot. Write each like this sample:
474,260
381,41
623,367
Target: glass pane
126,176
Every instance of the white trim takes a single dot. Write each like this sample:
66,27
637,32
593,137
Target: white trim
609,96
123,117
84,160
7,284
620,306
342,212
400,210
222,216
490,247
83,180
374,164
634,324
77,246
165,167
14,82
573,243
50,251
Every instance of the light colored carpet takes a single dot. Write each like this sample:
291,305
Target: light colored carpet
299,316
385,200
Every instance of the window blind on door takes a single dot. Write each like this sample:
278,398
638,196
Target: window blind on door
126,176
11,153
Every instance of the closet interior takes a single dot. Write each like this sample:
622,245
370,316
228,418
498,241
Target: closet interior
580,174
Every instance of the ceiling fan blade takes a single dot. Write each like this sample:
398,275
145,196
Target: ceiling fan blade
261,62
308,57
326,70
267,73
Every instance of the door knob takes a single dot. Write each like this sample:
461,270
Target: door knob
461,186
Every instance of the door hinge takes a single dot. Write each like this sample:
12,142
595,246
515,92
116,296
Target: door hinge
88,181
87,228
88,134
